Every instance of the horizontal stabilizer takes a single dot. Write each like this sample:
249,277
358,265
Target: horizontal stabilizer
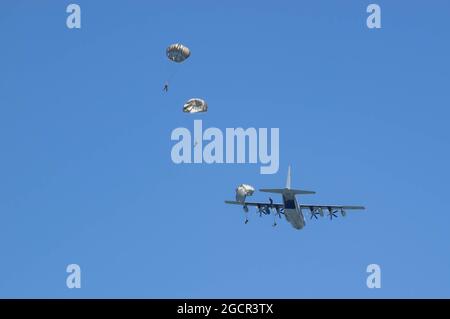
286,190
273,190
234,202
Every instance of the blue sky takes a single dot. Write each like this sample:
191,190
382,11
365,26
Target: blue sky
86,173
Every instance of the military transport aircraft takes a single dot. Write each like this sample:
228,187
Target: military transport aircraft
290,208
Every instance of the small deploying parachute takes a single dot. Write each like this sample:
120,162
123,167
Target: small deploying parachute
242,191
178,52
195,106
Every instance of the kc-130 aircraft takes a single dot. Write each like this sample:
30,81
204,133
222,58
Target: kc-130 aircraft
290,208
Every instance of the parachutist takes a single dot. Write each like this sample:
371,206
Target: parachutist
246,221
166,87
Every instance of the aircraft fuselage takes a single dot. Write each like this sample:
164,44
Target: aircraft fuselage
292,210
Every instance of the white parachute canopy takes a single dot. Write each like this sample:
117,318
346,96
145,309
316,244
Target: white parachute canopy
177,52
242,191
195,106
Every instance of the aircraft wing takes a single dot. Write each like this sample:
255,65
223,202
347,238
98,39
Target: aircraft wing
257,204
332,207
330,210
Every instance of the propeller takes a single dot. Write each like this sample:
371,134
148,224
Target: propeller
261,210
320,211
313,213
332,213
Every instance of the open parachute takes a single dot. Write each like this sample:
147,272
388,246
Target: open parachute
175,53
242,191
195,106
178,52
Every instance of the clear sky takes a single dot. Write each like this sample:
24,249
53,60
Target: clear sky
86,173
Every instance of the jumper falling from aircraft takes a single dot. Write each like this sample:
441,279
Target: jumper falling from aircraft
291,209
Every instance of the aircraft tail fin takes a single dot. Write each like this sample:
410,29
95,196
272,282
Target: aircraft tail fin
288,180
288,187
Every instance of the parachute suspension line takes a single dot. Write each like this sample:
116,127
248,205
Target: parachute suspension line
171,75
176,53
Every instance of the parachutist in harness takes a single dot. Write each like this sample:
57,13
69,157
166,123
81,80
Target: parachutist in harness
176,53
274,216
